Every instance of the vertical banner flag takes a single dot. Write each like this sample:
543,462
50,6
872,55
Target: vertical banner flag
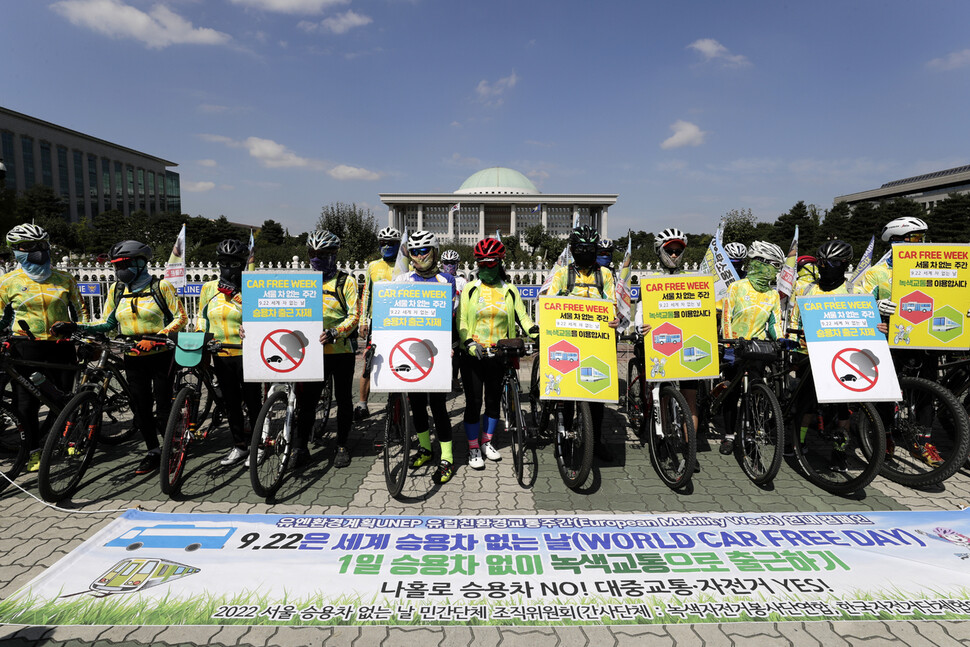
578,358
175,268
282,314
682,342
412,337
624,301
455,208
864,263
717,263
789,274
537,208
251,263
850,358
930,290
403,262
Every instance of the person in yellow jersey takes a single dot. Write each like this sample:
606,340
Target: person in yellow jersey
220,313
140,304
489,310
38,294
584,277
382,269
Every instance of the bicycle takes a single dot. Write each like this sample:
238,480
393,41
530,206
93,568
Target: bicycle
524,441
670,435
186,418
759,425
399,436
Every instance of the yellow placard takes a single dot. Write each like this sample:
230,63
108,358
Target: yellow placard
578,358
930,290
682,342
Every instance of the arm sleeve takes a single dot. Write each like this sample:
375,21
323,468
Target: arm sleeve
365,309
609,287
558,282
77,302
108,320
727,309
201,317
465,317
175,307
774,328
345,327
521,312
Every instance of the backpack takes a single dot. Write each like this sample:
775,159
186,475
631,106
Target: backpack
342,300
571,281
156,290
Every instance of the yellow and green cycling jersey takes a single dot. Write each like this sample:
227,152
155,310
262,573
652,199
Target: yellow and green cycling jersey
489,313
878,281
221,316
138,313
340,317
584,285
749,314
811,290
379,270
39,304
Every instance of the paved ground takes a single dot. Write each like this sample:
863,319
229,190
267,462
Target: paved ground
34,536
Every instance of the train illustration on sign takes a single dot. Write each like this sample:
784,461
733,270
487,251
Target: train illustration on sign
943,324
693,354
667,338
136,574
915,306
590,374
186,536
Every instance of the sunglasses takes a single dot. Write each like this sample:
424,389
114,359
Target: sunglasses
833,264
915,238
422,251
124,263
33,246
674,250
488,262
584,248
321,253
231,265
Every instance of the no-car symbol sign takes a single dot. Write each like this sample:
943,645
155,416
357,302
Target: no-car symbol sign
855,369
283,350
411,359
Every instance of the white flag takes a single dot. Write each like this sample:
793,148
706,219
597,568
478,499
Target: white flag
403,263
175,268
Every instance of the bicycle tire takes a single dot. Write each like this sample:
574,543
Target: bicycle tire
13,446
636,397
398,429
673,457
540,411
524,458
319,432
179,432
210,412
929,418
269,448
118,421
862,448
574,446
70,446
759,434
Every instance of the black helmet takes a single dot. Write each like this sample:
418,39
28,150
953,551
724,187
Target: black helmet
835,250
233,249
129,249
583,234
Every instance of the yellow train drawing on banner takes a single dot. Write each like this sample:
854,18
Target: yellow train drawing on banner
136,574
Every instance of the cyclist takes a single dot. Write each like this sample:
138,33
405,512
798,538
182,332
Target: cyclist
340,316
449,265
382,269
140,304
807,272
604,255
737,253
584,277
489,310
423,252
752,310
220,313
39,295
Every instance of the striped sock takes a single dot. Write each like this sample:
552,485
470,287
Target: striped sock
491,424
471,432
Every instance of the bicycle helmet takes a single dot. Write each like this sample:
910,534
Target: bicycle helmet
901,227
835,251
232,248
767,252
736,251
322,240
665,238
805,260
27,232
606,246
583,234
389,235
489,249
130,249
420,239
450,256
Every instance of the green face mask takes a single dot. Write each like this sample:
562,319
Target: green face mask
490,275
762,275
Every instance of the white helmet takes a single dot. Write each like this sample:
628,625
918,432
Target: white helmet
768,252
322,240
901,227
663,239
389,234
26,232
420,239
736,251
450,256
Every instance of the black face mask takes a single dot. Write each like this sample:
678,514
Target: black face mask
829,277
230,277
40,257
584,255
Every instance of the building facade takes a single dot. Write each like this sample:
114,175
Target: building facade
495,199
92,175
928,189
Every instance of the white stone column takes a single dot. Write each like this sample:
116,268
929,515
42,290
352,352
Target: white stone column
451,222
390,216
420,217
603,229
512,221
575,213
545,215
481,221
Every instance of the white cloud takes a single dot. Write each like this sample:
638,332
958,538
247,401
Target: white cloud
339,24
344,172
951,61
208,163
749,165
157,29
271,154
457,159
710,49
491,93
685,134
291,6
211,108
198,187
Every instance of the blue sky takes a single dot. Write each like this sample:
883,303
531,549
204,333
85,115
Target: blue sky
274,108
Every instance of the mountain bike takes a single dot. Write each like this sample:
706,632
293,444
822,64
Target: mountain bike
524,441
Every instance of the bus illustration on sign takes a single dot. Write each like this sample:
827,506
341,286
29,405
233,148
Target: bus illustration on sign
666,339
590,374
136,574
943,324
693,354
563,356
916,306
186,536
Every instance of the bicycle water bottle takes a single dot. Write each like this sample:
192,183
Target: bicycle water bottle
46,387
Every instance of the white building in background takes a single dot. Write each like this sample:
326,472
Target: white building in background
928,189
493,199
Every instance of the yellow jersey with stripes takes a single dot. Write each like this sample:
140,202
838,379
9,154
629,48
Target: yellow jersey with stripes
488,313
379,270
749,314
40,304
878,281
220,315
336,318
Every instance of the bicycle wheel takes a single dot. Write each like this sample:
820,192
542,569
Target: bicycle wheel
117,421
269,448
927,434
209,409
524,459
842,450
636,388
13,447
398,429
673,448
541,412
323,411
574,445
70,446
759,434
179,433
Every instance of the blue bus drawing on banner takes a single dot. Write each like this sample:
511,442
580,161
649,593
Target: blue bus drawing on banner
666,339
186,536
692,354
913,306
563,356
943,324
590,374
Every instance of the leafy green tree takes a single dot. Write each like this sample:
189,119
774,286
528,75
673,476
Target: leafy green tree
739,226
949,220
271,234
355,226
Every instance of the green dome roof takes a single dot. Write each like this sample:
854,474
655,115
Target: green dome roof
498,180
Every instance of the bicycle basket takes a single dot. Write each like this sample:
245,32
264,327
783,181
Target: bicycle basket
756,350
190,347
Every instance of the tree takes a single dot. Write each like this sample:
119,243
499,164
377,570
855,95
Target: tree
739,226
837,222
949,220
271,233
355,226
807,221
